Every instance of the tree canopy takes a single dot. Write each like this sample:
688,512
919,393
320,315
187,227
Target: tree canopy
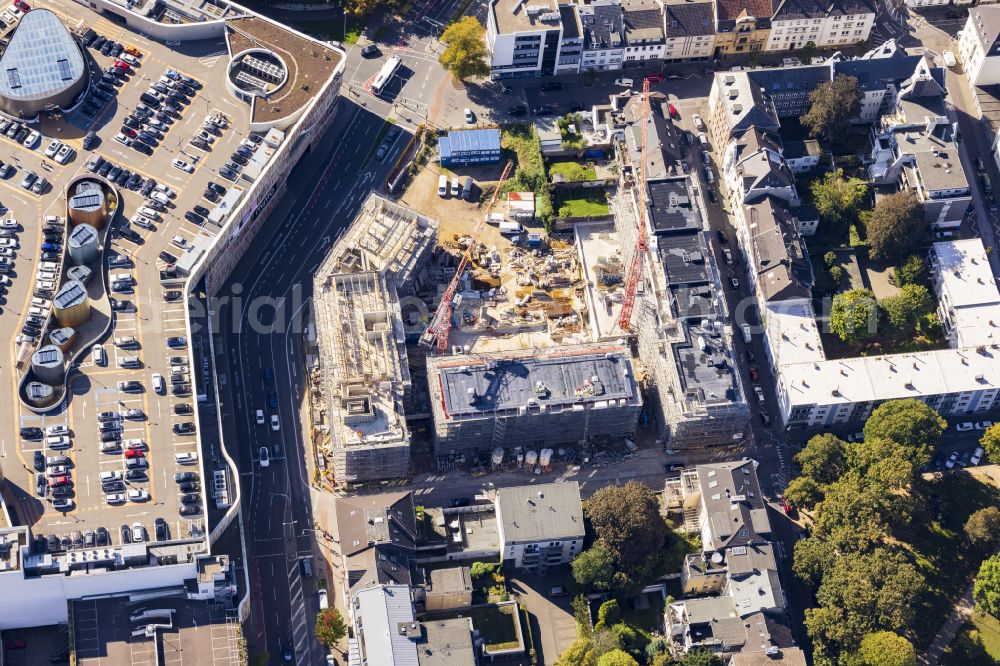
895,226
911,423
330,627
904,310
838,199
702,657
854,315
628,524
913,270
465,54
823,458
833,105
990,441
986,589
804,492
594,568
982,529
885,648
617,657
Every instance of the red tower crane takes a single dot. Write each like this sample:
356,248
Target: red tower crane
642,242
440,323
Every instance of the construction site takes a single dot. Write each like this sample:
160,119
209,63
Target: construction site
512,344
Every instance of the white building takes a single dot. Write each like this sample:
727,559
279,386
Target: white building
979,45
603,34
796,23
643,31
689,30
524,39
968,299
540,525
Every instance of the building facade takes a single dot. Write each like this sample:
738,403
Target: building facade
979,46
540,526
689,30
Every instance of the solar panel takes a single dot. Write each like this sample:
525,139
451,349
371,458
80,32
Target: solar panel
65,73
14,78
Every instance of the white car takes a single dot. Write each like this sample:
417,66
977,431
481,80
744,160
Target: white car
142,221
274,422
130,59
624,82
52,148
260,417
264,459
180,242
949,59
111,476
964,426
138,495
64,154
137,444
469,117
984,425
32,139
115,498
165,190
182,165
698,122
8,242
149,212
8,223
977,456
158,384
53,431
205,136
324,601
138,533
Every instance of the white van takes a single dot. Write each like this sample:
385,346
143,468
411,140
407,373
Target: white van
100,358
746,333
50,266
511,228
46,275
158,384
186,458
442,185
56,443
44,285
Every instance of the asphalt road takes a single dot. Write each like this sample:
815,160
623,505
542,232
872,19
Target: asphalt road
262,329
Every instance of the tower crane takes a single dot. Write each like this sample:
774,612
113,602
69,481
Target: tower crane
440,323
642,241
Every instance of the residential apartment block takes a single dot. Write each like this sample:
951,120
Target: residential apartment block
531,39
732,599
968,299
979,45
540,526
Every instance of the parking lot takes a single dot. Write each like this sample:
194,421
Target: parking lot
129,419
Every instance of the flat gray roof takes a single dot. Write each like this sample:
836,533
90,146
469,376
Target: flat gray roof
539,512
706,374
555,380
41,60
684,258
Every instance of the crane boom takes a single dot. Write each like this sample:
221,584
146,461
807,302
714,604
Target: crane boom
440,324
635,264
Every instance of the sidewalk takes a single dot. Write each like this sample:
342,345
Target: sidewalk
960,614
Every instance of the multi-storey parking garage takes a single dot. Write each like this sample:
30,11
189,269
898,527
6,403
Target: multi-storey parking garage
117,207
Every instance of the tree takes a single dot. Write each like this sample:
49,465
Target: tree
813,557
363,7
465,54
990,441
986,589
912,271
330,627
854,315
581,613
882,462
904,310
480,569
617,657
607,614
856,513
833,106
804,492
631,640
823,458
910,423
627,521
895,226
885,648
983,528
838,200
702,657
579,653
594,568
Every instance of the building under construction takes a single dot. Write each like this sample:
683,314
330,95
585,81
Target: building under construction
680,318
563,395
362,342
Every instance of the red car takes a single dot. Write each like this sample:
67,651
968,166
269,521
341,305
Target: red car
673,111
122,65
60,481
653,77
23,6
128,131
133,453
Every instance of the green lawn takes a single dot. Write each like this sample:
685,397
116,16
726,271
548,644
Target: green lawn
497,625
583,203
573,172
977,644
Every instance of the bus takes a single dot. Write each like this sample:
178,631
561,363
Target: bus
385,74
